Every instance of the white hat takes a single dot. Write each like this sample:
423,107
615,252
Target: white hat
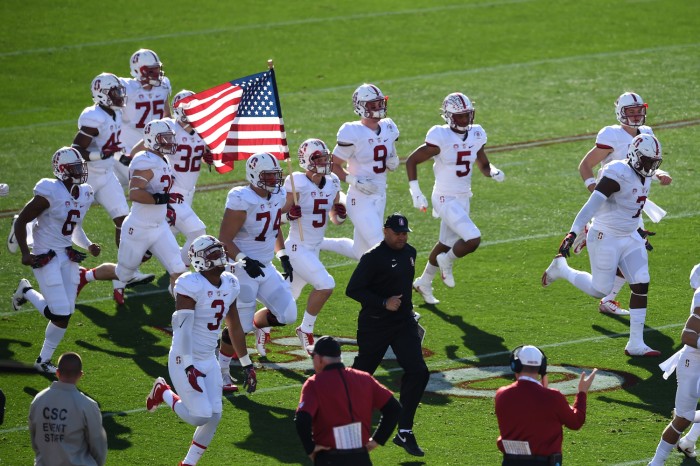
695,277
530,356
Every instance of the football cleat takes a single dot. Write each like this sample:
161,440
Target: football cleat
408,441
118,296
612,307
18,298
425,289
553,272
445,265
306,339
229,386
643,351
686,447
580,241
261,338
83,280
45,367
12,245
140,279
155,397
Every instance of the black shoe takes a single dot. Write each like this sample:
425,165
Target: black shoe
408,441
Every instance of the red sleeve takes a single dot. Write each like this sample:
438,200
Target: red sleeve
574,416
308,401
380,394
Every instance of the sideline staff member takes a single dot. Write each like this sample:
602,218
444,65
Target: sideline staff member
64,424
382,283
530,415
336,404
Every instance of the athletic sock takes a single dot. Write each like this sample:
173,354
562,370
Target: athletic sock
37,300
307,323
224,361
637,318
451,255
617,286
430,271
52,337
663,450
693,433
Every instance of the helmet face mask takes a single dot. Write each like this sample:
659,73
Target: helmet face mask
68,165
159,137
207,253
108,91
369,102
263,172
147,68
630,110
315,156
178,112
644,155
458,112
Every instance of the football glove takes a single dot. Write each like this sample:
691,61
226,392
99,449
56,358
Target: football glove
645,236
74,255
176,198
192,374
340,210
364,186
113,150
251,379
208,157
253,267
566,244
170,216
497,174
41,260
294,213
161,198
393,162
419,200
125,160
287,268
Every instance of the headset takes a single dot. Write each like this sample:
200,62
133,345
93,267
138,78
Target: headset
516,364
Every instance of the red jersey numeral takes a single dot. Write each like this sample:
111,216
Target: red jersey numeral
190,162
217,303
266,217
462,160
380,153
69,224
320,210
642,200
155,108
168,180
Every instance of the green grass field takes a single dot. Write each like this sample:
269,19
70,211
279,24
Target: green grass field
537,70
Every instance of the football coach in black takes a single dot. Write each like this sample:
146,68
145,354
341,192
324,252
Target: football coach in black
382,283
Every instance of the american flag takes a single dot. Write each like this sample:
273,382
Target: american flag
238,119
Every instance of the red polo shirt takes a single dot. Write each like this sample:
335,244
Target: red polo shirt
527,411
325,398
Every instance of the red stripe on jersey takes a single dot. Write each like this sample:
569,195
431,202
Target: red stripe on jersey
602,146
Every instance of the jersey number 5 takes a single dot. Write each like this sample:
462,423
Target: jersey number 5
462,160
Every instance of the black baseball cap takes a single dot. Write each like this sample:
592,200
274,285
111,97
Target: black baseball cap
397,222
326,346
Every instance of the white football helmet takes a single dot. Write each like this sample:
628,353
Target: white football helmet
159,136
207,252
627,101
107,90
315,156
178,113
369,102
457,104
68,164
146,67
263,171
644,154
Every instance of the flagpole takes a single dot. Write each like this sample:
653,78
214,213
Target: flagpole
270,66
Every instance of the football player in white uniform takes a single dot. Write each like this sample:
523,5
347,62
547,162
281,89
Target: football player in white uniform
146,227
202,300
455,148
59,206
250,232
612,143
318,192
186,163
686,363
98,141
613,241
148,94
368,148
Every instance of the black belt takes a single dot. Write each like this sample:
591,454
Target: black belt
553,459
348,451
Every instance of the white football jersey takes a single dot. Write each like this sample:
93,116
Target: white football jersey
142,107
454,165
162,181
212,305
315,203
256,238
695,303
619,214
109,133
54,226
187,160
616,138
366,151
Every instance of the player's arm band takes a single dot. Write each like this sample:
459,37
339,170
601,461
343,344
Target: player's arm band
135,188
245,360
589,181
240,256
94,155
137,177
280,253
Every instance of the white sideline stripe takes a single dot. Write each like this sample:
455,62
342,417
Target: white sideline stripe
496,68
344,264
247,27
431,366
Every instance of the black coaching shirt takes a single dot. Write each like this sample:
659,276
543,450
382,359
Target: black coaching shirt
383,272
